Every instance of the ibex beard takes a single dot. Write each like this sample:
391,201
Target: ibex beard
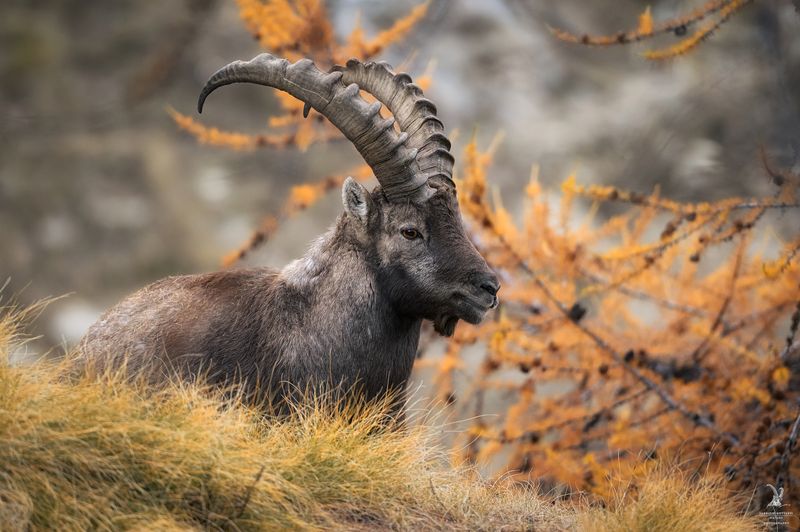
348,314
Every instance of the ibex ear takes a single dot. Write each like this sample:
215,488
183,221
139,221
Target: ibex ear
356,199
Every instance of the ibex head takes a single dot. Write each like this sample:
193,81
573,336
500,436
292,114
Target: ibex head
409,227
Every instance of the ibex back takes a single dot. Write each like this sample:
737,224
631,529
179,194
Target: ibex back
349,312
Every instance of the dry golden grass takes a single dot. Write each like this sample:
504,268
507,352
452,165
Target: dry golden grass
104,454
666,499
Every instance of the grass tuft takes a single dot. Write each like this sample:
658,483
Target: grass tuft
102,453
667,499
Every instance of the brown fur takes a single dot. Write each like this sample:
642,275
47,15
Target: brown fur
347,315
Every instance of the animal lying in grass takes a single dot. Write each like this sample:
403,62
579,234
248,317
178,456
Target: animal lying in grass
347,314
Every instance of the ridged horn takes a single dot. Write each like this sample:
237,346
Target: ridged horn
415,114
393,162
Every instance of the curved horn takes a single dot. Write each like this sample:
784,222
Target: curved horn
392,161
415,114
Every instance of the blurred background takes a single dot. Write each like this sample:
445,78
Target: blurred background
101,193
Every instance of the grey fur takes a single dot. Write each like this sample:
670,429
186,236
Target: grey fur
347,314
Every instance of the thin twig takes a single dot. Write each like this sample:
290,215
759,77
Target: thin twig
436,496
644,296
779,177
783,475
695,417
699,353
669,26
790,343
249,493
631,424
561,424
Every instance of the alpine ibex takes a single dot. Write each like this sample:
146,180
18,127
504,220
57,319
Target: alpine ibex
349,312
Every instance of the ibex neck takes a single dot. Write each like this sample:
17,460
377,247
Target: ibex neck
336,274
331,258
342,316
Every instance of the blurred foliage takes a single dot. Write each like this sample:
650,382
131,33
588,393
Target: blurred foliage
653,333
705,20
294,30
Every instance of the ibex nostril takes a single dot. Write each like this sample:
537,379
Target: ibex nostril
491,287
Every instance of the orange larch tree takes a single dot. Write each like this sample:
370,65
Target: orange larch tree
666,331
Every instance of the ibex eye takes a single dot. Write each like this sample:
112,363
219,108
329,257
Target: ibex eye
410,233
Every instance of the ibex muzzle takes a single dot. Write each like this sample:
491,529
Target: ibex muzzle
349,312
